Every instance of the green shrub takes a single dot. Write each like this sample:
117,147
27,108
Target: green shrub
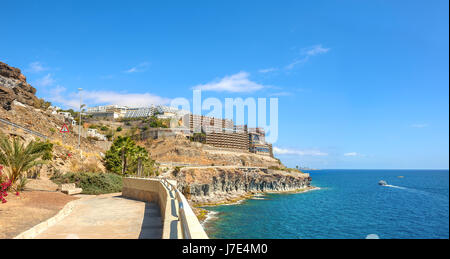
92,183
18,157
119,129
126,158
154,122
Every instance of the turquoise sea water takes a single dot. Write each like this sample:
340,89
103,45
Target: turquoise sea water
350,204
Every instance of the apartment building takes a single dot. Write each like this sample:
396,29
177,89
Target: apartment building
199,123
228,140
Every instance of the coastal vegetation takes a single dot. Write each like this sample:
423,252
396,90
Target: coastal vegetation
198,137
18,157
125,157
42,104
154,122
92,183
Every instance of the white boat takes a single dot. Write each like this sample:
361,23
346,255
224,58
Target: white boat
382,183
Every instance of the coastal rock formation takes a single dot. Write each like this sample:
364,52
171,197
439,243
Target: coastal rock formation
14,86
221,184
210,175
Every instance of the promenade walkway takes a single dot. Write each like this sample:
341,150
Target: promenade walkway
108,217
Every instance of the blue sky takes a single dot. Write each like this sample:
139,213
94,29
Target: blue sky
361,84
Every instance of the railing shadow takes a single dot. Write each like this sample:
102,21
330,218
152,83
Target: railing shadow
174,229
151,224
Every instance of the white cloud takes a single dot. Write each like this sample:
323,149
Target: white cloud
59,95
354,154
296,62
45,81
419,125
139,68
267,70
306,53
237,83
314,50
92,98
128,99
36,67
283,151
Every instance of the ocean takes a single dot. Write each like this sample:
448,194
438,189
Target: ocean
349,205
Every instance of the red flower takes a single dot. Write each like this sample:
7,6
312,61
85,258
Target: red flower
17,193
5,183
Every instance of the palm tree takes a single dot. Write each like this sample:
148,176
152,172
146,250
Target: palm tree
125,147
18,158
140,155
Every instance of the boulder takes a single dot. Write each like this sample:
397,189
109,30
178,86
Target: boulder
14,86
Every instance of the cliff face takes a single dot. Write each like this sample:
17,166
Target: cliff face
14,86
214,175
220,184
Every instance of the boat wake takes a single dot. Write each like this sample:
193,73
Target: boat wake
395,186
412,190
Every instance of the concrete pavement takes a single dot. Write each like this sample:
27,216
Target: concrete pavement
108,217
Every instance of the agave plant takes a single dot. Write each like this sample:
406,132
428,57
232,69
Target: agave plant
17,158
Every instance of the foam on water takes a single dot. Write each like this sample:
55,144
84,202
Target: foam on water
394,186
210,216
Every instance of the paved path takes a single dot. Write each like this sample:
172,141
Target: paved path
107,217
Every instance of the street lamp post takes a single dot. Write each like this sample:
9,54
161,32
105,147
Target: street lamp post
79,125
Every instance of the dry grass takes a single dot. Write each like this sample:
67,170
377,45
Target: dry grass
89,165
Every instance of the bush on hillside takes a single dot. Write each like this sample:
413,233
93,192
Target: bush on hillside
92,183
17,157
125,157
154,122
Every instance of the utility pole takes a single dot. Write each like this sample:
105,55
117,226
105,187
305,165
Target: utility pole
79,125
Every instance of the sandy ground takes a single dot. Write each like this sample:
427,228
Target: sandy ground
29,209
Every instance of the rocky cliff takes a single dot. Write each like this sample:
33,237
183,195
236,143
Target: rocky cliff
14,86
210,175
17,101
211,185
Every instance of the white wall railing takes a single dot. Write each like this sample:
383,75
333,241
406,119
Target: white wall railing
189,226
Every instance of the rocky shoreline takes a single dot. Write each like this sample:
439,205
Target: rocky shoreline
228,185
219,185
204,215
